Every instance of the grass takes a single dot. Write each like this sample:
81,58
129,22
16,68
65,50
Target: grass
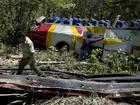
121,64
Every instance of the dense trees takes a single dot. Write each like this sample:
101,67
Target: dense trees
15,12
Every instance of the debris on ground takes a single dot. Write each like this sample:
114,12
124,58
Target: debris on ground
65,88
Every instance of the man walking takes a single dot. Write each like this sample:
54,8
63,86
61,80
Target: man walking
28,51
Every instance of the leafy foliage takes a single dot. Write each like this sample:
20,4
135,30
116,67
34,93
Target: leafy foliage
15,14
69,63
122,63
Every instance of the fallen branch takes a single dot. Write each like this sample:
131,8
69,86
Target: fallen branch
14,94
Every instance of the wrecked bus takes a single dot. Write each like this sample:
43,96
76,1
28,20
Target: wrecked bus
58,35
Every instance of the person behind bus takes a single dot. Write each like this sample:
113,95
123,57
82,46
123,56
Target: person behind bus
121,24
57,20
94,22
134,24
65,20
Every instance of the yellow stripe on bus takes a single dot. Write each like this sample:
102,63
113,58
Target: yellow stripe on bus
95,29
76,37
76,34
109,41
49,35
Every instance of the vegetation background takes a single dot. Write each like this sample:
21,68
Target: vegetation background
20,13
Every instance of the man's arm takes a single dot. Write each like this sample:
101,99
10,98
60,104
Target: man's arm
92,40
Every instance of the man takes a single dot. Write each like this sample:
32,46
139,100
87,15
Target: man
28,54
87,46
84,48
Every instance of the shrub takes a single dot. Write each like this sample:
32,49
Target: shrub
117,62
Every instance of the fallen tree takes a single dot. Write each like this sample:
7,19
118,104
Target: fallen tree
33,87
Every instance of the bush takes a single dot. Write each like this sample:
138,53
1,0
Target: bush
117,62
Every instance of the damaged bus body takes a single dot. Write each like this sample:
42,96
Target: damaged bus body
58,35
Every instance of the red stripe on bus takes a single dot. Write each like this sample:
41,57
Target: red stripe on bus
39,34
